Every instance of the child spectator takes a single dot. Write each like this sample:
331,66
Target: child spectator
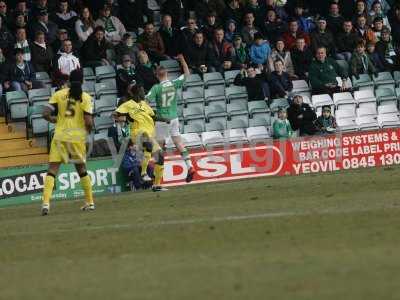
281,127
326,123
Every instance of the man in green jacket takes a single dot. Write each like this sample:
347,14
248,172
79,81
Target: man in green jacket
323,72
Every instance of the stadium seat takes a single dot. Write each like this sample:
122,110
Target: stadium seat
43,77
89,87
174,75
105,73
102,124
367,123
39,96
35,120
321,100
194,94
213,78
387,109
197,127
344,101
363,82
217,109
88,74
236,92
343,64
216,123
300,86
171,65
365,98
396,77
257,106
257,133
278,103
365,111
194,111
384,79
196,122
105,105
385,96
17,104
237,108
192,140
388,120
235,135
238,121
212,137
345,114
105,88
260,119
230,76
214,93
346,125
193,80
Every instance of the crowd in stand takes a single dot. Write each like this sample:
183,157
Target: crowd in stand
272,42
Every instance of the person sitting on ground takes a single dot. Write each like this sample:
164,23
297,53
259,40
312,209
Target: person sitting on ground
281,127
301,116
326,123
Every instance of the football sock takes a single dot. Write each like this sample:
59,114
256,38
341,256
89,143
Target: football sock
186,157
158,174
145,162
48,188
87,188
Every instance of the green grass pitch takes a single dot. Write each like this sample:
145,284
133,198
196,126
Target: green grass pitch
333,236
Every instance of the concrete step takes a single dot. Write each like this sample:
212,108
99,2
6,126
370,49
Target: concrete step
22,152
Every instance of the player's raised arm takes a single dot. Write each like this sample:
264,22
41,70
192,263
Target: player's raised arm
184,65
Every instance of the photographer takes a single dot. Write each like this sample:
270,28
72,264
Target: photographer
257,88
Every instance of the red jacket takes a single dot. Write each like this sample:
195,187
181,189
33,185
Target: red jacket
290,40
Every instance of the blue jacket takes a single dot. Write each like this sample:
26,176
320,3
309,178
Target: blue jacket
130,161
260,54
306,24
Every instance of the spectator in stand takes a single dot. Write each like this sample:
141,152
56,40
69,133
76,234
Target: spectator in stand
65,17
301,57
240,56
223,51
94,50
334,20
301,116
187,34
249,29
375,58
346,41
84,26
273,27
385,7
360,62
177,9
259,51
43,24
6,38
377,28
170,36
230,30
199,56
152,43
21,9
127,47
145,70
387,51
62,34
279,81
361,10
233,11
132,12
376,11
281,127
323,73
395,23
22,43
38,6
126,74
21,75
255,8
364,31
42,54
204,7
256,86
66,61
5,16
113,28
272,5
322,37
210,26
279,52
18,22
306,25
293,33
326,123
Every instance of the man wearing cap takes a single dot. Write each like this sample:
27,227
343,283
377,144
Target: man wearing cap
43,24
322,37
